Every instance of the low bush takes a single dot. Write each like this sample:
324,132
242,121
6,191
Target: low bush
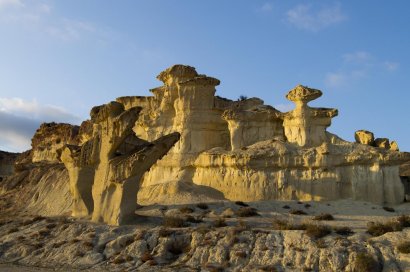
279,224
186,209
395,224
389,209
324,217
404,247
173,222
246,212
297,212
317,231
219,223
344,231
241,203
366,263
202,206
146,256
192,219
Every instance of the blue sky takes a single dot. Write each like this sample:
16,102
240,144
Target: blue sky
60,58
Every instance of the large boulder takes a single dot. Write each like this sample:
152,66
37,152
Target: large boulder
364,137
382,143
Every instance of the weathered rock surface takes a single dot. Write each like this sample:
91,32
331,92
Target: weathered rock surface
65,244
364,137
382,143
51,137
105,171
250,151
7,161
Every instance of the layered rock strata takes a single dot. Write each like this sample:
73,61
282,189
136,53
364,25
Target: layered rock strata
250,151
106,170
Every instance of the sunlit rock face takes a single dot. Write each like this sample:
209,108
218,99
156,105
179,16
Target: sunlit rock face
245,150
51,137
105,171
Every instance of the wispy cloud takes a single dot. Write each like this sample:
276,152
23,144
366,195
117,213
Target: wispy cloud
266,7
306,18
391,66
10,3
40,17
355,66
20,118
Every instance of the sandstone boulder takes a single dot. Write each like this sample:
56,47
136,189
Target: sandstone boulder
382,143
364,137
394,146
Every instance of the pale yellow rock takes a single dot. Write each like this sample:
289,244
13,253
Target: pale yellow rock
382,143
364,137
394,146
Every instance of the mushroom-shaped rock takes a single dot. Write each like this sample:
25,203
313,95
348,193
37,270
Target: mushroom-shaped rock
394,146
306,126
303,94
382,143
177,73
364,137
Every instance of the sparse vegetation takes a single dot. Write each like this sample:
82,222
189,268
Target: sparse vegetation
246,212
177,247
307,205
242,98
146,256
241,203
395,224
404,247
317,231
344,231
366,263
324,217
286,207
164,232
219,223
186,209
240,254
192,219
279,224
297,212
389,209
173,222
202,206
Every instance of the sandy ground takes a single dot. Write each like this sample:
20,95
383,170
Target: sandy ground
353,214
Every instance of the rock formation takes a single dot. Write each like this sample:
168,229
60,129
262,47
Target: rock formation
7,160
106,170
51,137
250,151
364,137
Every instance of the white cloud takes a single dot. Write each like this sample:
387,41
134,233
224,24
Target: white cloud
10,3
39,17
335,80
391,66
304,17
358,57
20,118
33,110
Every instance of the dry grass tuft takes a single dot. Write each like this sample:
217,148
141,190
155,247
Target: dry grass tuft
395,224
279,224
389,209
324,217
404,247
246,212
219,223
297,212
146,256
344,231
173,222
202,206
366,263
241,203
186,209
317,231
